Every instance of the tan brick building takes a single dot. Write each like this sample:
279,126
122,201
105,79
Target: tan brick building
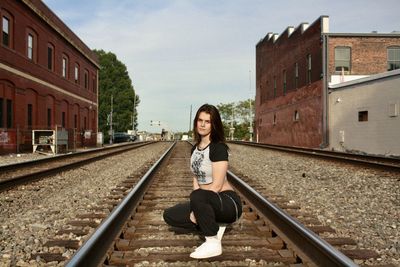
294,70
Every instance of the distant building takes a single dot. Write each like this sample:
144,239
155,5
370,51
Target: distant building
364,115
294,71
48,77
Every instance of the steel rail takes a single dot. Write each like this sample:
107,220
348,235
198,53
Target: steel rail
22,179
58,157
94,250
309,246
385,163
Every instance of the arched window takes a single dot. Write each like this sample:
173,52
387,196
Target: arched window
7,24
31,44
65,66
50,56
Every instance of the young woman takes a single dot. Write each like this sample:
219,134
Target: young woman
212,201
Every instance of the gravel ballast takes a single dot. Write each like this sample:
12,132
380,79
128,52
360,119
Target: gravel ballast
361,203
32,214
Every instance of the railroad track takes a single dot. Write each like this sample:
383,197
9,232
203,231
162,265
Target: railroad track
135,233
379,162
24,172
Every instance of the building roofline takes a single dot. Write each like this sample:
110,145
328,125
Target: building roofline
372,34
40,9
290,30
370,78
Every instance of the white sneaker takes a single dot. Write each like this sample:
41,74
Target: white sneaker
221,232
211,248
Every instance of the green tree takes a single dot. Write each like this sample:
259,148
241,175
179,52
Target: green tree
237,116
114,81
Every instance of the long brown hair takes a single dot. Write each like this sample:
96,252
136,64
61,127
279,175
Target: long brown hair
217,129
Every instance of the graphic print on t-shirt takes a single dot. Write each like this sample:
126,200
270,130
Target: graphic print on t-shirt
196,164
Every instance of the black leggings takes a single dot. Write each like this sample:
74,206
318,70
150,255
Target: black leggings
209,208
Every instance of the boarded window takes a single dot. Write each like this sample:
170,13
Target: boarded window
284,82
63,119
309,69
50,57
363,115
9,114
29,115
1,113
49,117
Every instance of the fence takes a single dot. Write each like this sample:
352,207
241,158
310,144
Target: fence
19,140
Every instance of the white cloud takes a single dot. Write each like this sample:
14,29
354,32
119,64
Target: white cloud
180,53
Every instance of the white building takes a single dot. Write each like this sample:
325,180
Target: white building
364,115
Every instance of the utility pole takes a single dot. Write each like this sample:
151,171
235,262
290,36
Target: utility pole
232,129
111,122
190,119
133,114
250,111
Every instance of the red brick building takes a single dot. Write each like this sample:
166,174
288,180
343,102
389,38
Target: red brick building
48,77
294,69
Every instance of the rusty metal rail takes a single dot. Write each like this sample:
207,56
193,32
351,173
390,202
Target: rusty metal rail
16,174
309,246
135,232
378,162
94,250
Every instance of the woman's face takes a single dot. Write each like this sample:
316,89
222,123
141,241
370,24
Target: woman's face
204,124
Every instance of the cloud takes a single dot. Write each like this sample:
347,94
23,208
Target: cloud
181,53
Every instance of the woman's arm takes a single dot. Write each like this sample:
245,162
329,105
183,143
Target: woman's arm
219,170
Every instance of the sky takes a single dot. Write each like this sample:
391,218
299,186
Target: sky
181,54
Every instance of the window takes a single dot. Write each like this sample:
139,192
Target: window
75,121
393,58
1,113
9,114
342,59
65,66
30,46
363,115
76,72
274,86
94,84
29,115
84,123
49,117
50,56
296,75
284,82
63,119
308,69
6,31
274,122
296,116
86,79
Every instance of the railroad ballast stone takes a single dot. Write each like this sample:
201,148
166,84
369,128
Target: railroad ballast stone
360,203
33,214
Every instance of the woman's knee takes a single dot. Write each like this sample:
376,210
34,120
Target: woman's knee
167,216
